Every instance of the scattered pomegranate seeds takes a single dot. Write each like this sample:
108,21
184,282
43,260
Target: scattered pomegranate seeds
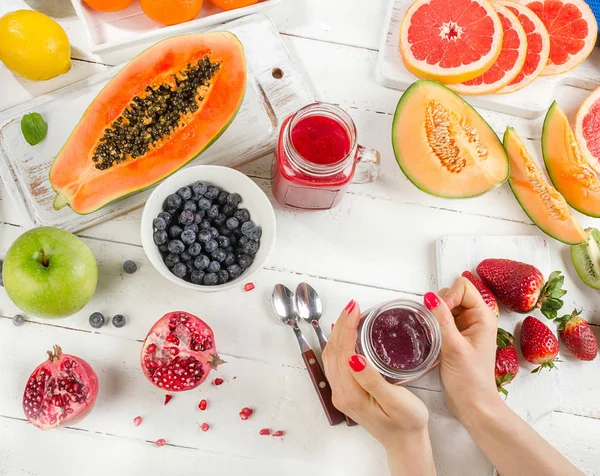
245,413
265,432
332,326
202,405
168,398
279,433
249,287
218,381
205,427
137,421
161,442
234,377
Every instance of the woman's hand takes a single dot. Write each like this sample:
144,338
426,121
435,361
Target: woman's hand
468,356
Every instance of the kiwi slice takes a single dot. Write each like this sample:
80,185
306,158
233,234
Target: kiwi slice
586,259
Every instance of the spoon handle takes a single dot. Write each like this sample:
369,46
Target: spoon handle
320,335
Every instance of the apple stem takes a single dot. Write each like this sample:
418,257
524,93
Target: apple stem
45,261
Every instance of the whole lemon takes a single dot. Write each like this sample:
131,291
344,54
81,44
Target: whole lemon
33,45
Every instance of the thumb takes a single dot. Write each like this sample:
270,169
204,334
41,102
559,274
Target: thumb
442,313
372,381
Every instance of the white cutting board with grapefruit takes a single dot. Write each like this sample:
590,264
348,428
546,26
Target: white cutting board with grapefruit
531,102
530,395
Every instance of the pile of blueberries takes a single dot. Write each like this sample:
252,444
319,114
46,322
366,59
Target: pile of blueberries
203,237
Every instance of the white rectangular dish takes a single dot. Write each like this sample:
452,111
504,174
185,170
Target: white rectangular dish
109,30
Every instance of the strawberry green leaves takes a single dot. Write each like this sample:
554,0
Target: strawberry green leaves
550,301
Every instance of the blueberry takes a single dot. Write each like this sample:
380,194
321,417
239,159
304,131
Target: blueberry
195,228
198,216
194,249
212,192
188,236
229,249
205,224
199,188
129,267
179,270
234,199
242,215
211,279
174,201
245,261
186,217
18,320
210,246
243,240
160,237
163,248
96,320
204,236
213,212
214,267
160,223
223,276
225,232
166,216
223,241
229,259
228,210
189,266
185,193
214,232
234,271
218,255
197,276
219,219
118,320
232,223
247,226
204,204
190,206
176,247
234,239
175,231
222,198
201,262
171,260
185,257
250,248
172,211
255,233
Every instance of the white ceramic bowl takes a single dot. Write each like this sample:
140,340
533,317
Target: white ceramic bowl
253,199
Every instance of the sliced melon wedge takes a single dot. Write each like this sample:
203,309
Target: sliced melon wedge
568,168
541,201
443,146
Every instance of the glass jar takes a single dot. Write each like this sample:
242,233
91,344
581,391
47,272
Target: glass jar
317,158
401,339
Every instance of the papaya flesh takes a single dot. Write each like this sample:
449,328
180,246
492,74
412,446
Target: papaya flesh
567,167
158,113
542,203
443,146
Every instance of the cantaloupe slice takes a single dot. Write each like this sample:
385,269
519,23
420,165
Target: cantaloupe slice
568,168
443,146
541,201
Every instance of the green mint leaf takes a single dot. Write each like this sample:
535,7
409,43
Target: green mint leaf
34,128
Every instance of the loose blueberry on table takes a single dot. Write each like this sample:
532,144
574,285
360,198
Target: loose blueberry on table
203,237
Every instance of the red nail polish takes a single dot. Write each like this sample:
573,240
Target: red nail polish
357,363
431,301
350,306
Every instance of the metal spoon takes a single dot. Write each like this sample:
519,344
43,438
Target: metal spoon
283,307
310,309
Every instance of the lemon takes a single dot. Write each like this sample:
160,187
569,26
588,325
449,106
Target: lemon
33,45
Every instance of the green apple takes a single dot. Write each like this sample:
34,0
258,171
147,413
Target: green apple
49,273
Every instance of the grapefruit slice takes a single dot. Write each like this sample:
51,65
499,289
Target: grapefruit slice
572,28
538,47
509,62
450,41
587,128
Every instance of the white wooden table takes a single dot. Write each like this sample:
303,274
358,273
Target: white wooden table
378,244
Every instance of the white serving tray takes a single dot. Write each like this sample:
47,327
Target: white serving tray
530,102
529,395
252,134
109,30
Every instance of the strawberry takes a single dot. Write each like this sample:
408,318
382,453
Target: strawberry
485,292
507,362
538,344
577,336
520,287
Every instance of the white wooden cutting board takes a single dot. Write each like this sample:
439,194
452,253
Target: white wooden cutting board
529,395
531,102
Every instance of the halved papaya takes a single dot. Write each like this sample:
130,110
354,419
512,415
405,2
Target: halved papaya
163,109
568,168
443,146
541,202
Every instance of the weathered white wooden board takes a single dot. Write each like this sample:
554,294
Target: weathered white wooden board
531,101
530,395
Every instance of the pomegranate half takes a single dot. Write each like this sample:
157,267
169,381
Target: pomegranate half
179,352
61,390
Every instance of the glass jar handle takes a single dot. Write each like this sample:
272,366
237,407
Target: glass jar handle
367,165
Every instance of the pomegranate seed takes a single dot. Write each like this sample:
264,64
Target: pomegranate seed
265,432
332,326
218,381
234,377
151,349
279,433
243,416
137,421
161,442
168,398
205,427
249,287
247,411
202,405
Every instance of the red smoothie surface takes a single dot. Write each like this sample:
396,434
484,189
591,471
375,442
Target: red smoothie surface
321,140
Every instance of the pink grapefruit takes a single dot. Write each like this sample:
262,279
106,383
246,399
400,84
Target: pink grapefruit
538,47
509,62
572,28
587,128
450,41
